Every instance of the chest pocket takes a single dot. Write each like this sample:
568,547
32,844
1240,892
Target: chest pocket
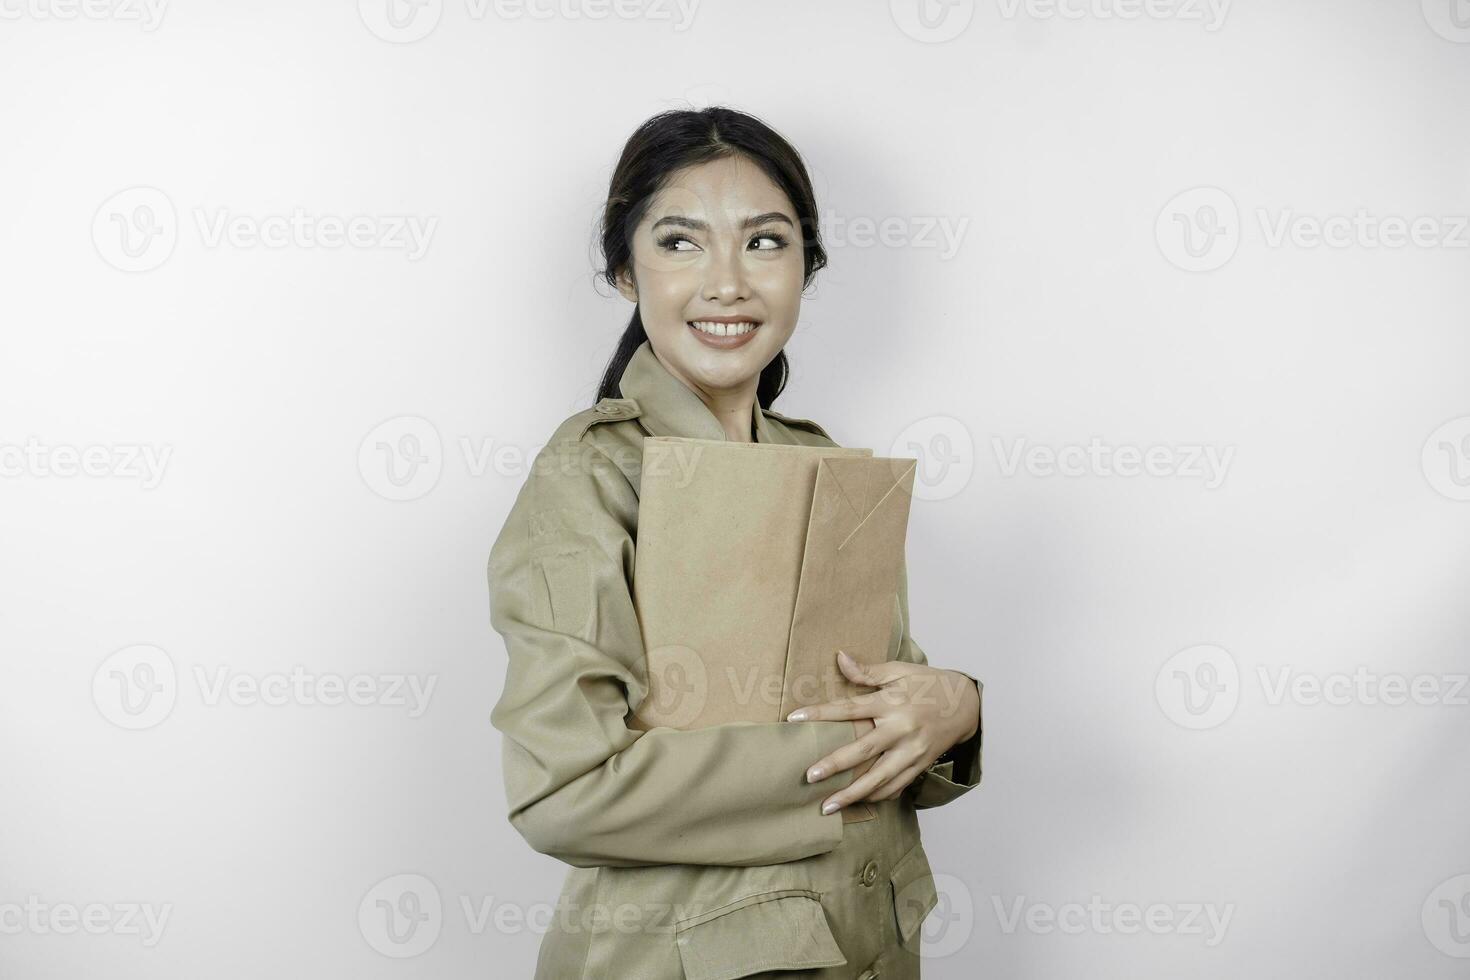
777,930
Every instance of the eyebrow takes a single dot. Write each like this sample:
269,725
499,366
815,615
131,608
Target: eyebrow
698,225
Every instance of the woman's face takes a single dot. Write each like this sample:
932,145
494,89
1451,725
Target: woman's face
720,242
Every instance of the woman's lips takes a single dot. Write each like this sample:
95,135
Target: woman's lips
727,341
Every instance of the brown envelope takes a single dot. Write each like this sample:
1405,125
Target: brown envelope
849,575
721,534
754,564
849,582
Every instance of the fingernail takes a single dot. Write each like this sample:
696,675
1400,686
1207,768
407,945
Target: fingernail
798,715
828,808
813,774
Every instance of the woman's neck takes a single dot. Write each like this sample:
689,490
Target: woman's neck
735,412
733,408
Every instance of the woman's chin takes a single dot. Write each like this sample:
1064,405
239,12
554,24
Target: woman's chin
727,368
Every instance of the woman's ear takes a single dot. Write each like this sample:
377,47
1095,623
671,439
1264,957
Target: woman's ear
626,286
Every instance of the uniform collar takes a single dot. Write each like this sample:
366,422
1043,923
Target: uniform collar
668,407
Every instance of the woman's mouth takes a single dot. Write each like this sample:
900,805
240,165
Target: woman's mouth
723,334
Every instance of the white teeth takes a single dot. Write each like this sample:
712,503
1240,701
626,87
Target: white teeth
722,329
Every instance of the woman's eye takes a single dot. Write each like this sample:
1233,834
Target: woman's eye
760,243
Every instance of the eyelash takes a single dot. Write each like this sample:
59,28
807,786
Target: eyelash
674,236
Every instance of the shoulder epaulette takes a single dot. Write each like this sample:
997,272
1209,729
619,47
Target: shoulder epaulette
606,410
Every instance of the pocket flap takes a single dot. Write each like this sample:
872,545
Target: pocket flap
779,930
914,894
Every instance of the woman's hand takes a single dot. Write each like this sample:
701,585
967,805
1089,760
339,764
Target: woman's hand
917,714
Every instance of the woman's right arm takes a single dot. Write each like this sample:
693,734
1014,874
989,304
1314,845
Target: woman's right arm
583,787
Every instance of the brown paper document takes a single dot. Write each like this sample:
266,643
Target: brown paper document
754,564
849,575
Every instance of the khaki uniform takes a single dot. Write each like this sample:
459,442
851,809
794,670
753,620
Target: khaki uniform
695,854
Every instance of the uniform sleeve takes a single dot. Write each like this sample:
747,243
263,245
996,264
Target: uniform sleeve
580,785
957,771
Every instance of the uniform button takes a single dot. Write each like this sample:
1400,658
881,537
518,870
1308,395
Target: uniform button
608,408
870,873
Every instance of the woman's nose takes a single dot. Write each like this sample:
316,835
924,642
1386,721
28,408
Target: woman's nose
725,277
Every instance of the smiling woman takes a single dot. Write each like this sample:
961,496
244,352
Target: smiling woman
740,848
710,229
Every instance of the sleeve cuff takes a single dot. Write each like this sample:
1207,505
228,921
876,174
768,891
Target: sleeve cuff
954,773
827,737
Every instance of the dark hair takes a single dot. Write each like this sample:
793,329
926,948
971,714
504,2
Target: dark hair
660,147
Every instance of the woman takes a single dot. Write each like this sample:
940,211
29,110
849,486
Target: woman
743,848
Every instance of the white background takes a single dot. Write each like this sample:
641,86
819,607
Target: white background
1057,142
